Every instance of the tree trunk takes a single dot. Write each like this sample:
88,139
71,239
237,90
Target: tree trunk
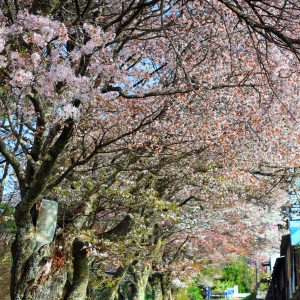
168,295
111,293
81,264
166,287
156,283
56,271
141,272
36,275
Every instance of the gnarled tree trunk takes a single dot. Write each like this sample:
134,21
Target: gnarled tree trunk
59,270
49,270
37,275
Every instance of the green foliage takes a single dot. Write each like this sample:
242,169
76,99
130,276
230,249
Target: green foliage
238,272
221,285
181,294
194,292
7,223
6,209
263,276
209,271
235,272
263,286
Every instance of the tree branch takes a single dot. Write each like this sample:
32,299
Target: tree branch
119,231
123,94
262,28
39,182
11,159
170,92
40,126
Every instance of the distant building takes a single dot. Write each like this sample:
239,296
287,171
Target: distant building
285,280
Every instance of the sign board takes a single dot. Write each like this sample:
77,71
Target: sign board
294,226
46,223
294,212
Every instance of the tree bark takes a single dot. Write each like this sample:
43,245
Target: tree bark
166,287
110,293
141,272
57,271
156,283
3,179
81,264
169,295
41,275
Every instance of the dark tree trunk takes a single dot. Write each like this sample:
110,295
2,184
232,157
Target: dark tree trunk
57,271
37,275
156,283
166,287
81,264
39,270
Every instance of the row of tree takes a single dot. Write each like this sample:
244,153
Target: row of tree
161,128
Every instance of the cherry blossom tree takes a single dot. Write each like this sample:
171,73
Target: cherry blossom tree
89,87
182,226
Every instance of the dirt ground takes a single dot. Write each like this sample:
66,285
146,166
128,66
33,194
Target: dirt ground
5,266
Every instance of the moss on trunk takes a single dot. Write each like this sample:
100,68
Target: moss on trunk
81,264
141,271
156,283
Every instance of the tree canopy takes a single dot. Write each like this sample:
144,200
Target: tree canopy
163,130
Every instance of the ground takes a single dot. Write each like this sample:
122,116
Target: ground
5,265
